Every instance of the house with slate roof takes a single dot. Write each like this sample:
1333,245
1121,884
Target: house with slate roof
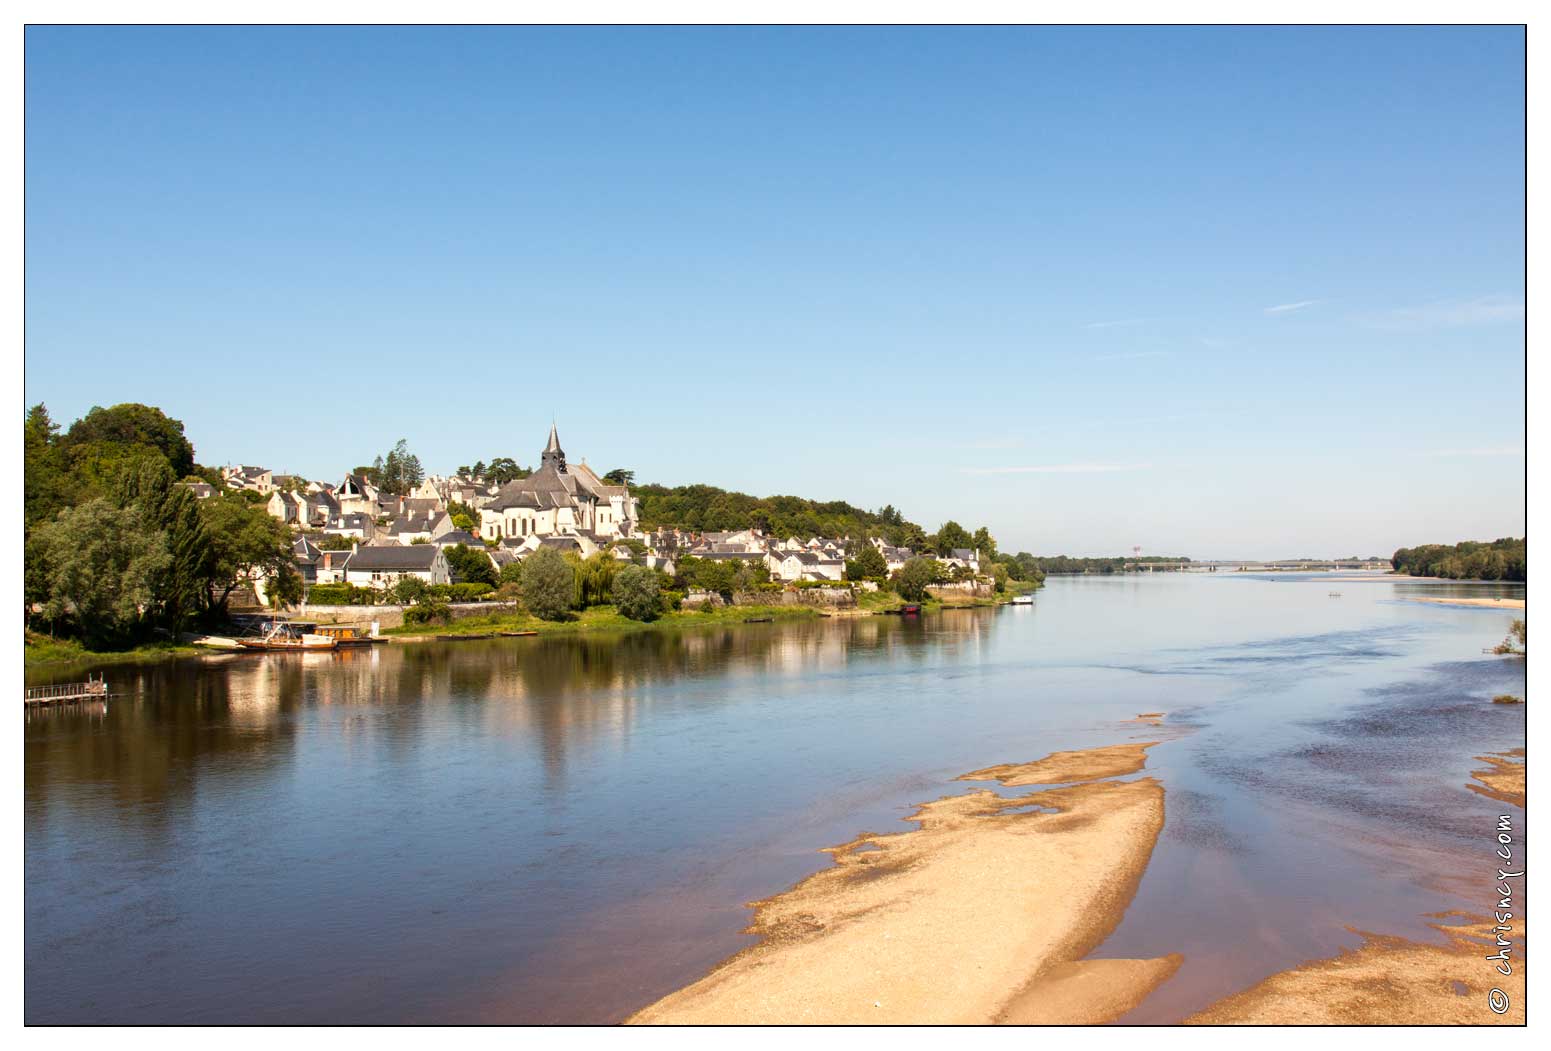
382,567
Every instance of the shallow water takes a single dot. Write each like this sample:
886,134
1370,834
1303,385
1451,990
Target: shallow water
551,830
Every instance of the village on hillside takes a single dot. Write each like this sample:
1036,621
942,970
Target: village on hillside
354,532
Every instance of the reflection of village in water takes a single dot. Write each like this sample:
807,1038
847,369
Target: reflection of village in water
560,694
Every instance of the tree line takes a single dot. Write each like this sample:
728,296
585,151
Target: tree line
1502,559
116,551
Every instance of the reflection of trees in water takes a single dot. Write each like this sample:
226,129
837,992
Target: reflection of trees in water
239,716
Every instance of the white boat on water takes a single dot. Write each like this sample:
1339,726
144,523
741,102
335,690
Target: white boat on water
1023,600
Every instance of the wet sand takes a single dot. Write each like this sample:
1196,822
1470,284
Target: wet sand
982,914
1483,603
1503,780
1389,981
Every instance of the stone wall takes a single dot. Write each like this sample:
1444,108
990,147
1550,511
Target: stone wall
827,598
962,589
390,615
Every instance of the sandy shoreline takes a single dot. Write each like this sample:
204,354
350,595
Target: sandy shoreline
982,914
1483,603
1388,981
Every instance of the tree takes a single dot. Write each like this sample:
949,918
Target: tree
245,543
636,594
548,583
470,565
285,589
913,577
409,589
869,562
150,489
984,542
620,476
135,424
504,469
950,536
98,565
511,573
463,522
45,479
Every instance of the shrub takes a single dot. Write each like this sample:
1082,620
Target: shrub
1507,698
548,583
341,595
410,589
428,612
636,594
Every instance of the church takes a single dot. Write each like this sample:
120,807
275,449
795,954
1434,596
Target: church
559,500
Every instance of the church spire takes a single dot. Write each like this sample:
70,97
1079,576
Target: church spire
552,453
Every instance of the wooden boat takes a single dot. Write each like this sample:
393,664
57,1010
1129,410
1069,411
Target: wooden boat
758,620
909,608
516,634
464,638
347,635
281,637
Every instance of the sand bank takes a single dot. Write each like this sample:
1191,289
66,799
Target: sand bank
1503,780
1389,981
1060,768
981,914
1483,603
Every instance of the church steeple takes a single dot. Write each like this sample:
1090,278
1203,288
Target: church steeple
552,453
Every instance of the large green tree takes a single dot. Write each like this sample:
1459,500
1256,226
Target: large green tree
99,567
245,543
636,593
470,565
912,578
869,562
134,424
548,584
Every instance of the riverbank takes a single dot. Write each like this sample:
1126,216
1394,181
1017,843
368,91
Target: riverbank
1389,981
981,914
605,619
43,651
1481,603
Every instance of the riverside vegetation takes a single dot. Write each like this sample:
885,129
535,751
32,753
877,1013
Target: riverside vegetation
120,557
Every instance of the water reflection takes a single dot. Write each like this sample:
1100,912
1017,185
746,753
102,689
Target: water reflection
560,829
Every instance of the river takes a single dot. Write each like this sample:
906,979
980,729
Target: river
565,829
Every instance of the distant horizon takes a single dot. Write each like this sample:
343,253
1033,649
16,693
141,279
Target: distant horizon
1202,289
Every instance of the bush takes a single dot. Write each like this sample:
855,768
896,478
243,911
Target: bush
511,573
636,594
428,612
342,595
548,584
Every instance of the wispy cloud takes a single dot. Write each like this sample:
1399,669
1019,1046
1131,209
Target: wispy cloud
1061,468
1132,355
1490,450
1120,324
1288,308
1452,313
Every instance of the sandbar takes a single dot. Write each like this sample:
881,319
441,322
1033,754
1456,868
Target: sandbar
982,914
1503,780
1388,981
1482,603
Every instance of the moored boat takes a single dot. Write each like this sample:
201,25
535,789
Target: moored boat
281,637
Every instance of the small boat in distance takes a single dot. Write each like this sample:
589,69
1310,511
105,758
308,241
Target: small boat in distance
282,637
1023,600
909,608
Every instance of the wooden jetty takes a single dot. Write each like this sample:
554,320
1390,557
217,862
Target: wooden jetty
68,693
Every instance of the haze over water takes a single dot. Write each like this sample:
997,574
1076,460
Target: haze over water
557,829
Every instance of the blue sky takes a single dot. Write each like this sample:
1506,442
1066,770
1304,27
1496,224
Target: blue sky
1216,292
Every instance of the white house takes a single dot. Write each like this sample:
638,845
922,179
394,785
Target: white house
259,479
962,556
382,567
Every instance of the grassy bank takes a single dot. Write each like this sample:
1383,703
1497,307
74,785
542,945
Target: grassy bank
601,619
40,649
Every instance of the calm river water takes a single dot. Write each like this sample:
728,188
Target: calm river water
556,830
